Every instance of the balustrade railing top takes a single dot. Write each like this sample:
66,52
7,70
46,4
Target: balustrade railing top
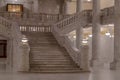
87,15
39,16
107,11
107,15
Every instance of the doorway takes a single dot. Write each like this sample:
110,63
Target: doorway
3,48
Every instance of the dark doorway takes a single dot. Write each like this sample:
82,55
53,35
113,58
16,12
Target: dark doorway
3,50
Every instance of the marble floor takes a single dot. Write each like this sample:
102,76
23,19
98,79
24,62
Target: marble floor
94,75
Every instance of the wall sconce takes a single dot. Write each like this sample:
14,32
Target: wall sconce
24,39
107,34
90,35
84,41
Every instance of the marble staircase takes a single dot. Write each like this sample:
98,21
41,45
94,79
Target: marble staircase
47,55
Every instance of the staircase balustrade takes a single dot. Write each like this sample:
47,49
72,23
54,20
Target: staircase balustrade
35,28
74,21
38,16
107,15
76,54
82,18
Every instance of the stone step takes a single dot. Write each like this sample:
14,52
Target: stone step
49,58
40,44
51,63
46,48
46,55
53,66
45,45
57,71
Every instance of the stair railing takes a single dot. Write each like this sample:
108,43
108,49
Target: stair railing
69,24
42,17
107,15
79,57
11,30
75,20
35,28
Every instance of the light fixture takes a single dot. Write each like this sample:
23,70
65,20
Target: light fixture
88,0
111,25
74,37
111,36
107,34
84,41
90,35
24,39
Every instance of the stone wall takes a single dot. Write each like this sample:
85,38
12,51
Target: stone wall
49,6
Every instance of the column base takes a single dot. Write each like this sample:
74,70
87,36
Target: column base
115,65
98,65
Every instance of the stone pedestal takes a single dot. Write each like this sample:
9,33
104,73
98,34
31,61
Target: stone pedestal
115,66
85,58
25,58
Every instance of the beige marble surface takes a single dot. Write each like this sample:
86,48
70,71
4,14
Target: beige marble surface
94,75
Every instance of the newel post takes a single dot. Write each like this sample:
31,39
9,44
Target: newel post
84,55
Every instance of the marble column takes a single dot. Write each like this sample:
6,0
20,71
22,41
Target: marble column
79,5
116,63
95,33
66,7
2,5
79,30
35,6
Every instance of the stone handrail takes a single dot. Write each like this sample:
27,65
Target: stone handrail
65,42
76,55
43,17
35,28
73,52
12,14
107,11
82,18
12,31
107,15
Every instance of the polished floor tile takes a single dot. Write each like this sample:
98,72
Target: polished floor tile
94,75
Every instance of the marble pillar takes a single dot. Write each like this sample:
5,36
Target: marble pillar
96,33
66,7
79,5
116,62
79,30
35,6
